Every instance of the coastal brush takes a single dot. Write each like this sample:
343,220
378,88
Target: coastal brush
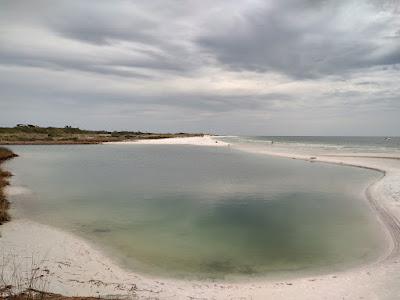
5,154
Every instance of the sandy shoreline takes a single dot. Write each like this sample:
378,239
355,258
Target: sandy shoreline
71,266
206,140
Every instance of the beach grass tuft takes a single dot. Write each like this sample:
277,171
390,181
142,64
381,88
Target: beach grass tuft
32,285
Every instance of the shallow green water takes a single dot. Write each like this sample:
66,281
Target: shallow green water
199,211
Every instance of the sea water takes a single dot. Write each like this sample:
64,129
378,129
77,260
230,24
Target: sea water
320,144
200,212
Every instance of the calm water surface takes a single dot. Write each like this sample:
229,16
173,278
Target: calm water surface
200,212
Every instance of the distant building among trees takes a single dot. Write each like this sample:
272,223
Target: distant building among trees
28,125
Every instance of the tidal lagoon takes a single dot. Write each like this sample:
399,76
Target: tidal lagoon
200,212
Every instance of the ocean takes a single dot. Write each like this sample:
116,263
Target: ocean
322,144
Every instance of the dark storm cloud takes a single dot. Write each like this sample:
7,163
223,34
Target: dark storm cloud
307,39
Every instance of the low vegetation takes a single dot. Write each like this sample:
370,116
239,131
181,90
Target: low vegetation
5,154
33,294
32,134
31,284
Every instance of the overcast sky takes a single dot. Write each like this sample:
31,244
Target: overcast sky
287,67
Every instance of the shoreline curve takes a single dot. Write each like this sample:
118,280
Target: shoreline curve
82,270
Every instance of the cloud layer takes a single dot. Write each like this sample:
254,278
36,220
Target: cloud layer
235,67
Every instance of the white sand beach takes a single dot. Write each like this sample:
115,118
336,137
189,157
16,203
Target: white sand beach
206,140
66,264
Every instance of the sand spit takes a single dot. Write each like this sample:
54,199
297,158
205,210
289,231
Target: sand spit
206,140
72,266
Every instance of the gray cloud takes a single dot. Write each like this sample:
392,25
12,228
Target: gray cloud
249,67
120,38
307,39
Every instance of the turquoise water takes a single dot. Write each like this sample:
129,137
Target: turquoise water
200,212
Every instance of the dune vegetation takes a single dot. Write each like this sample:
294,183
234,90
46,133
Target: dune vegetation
5,154
32,134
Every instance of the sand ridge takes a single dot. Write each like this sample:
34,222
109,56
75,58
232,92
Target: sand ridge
205,140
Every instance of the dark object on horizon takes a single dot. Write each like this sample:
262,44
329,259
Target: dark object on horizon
27,125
